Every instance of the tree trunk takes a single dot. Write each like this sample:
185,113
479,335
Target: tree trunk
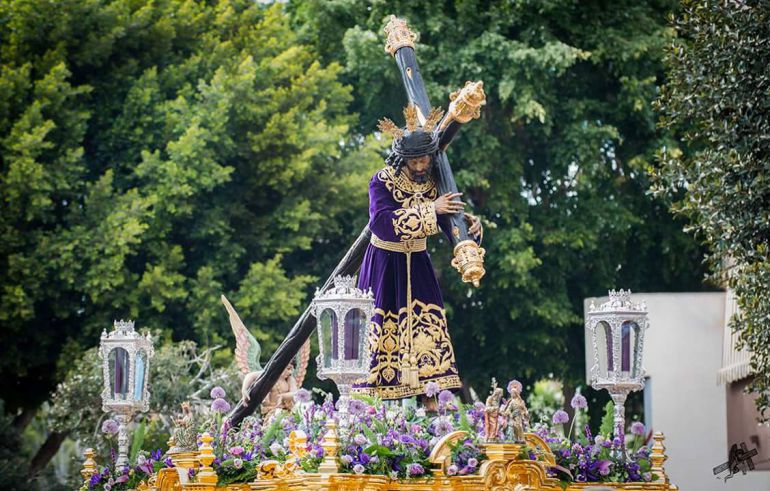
46,451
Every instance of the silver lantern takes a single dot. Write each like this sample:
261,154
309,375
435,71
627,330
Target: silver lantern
343,313
125,358
617,331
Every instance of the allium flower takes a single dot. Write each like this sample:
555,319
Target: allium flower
302,396
359,439
604,467
560,417
514,384
110,426
415,470
473,462
637,428
217,393
445,397
358,469
431,389
237,463
452,470
220,406
579,402
236,451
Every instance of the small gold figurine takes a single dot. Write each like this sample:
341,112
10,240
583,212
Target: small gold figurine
492,413
516,413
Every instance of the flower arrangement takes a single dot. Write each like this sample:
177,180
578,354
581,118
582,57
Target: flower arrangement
586,458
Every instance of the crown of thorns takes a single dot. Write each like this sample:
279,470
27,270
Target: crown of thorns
414,140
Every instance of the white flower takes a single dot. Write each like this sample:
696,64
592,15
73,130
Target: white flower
358,469
318,416
599,439
276,448
391,415
420,413
140,459
346,459
452,470
359,439
286,442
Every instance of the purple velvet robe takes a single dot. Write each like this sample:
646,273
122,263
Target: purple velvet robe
401,210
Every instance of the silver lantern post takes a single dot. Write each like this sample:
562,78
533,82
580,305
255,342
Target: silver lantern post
617,332
125,358
343,313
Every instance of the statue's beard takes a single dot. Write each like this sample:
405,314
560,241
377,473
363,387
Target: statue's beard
420,178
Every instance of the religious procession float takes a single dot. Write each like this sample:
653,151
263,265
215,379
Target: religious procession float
383,340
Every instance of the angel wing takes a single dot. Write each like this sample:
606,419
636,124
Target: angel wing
301,362
247,349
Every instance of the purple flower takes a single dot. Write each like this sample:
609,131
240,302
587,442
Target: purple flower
237,450
637,428
431,389
356,407
415,470
560,417
302,396
445,397
217,393
237,463
452,470
443,426
110,426
579,402
107,487
359,439
220,405
514,385
604,467
358,469
472,462
121,479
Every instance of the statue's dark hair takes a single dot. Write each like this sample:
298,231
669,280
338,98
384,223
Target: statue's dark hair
412,145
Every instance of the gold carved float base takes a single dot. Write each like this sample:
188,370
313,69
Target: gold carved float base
503,471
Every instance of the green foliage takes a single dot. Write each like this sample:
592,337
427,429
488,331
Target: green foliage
156,155
546,397
717,95
607,428
556,166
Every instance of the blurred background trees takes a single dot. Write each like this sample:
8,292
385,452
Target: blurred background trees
157,154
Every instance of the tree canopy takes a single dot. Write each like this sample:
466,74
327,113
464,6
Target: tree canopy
717,95
157,154
154,156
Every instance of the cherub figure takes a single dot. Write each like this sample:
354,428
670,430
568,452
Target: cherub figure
515,412
247,354
492,413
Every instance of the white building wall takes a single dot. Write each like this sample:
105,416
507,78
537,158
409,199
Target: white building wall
682,355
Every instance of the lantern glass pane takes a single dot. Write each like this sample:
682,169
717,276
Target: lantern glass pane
604,347
118,362
628,333
140,375
328,331
355,323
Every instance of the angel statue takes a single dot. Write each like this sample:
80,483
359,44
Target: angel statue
247,354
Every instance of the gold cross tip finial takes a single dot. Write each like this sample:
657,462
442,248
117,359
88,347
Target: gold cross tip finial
398,35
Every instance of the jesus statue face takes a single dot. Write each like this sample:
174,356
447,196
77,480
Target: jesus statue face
419,168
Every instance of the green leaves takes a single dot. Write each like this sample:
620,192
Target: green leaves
715,96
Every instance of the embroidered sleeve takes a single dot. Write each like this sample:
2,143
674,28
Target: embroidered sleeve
388,220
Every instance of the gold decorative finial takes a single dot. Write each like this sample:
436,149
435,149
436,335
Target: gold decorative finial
433,118
658,457
469,261
466,103
398,35
331,447
410,115
389,128
206,456
89,465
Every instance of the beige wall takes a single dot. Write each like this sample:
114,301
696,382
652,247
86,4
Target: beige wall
682,353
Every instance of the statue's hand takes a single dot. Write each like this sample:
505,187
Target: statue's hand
445,204
474,223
